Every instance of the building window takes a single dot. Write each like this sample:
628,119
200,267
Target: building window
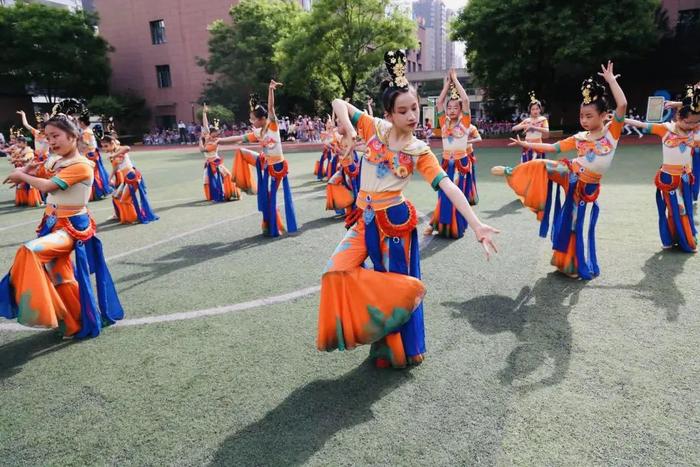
163,75
158,32
688,21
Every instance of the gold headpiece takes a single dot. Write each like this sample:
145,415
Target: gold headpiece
395,61
39,117
111,129
16,132
215,124
70,107
692,98
253,101
454,93
591,90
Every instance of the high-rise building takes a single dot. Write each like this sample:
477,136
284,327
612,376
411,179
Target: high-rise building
436,17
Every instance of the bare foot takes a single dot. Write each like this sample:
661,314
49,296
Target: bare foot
498,170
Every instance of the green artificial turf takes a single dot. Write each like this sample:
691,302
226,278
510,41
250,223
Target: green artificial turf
524,366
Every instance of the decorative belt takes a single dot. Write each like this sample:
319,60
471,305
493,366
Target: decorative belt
454,155
379,200
62,211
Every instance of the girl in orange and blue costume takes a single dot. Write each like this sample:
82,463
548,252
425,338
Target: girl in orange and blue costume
130,198
218,181
458,159
382,306
24,157
270,166
580,178
675,179
535,127
322,165
88,148
44,288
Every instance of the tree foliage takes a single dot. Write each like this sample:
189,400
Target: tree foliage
241,52
217,112
129,111
514,46
53,50
340,43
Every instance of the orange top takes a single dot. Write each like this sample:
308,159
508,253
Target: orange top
269,139
594,155
386,169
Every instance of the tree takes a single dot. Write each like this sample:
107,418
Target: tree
514,46
129,111
341,42
217,112
240,53
53,50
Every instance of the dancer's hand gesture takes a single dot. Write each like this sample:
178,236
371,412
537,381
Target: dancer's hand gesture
608,74
20,112
517,142
484,235
15,176
274,84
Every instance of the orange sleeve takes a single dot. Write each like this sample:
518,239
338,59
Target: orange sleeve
615,128
71,175
657,129
250,137
430,169
466,119
442,119
566,145
273,125
364,124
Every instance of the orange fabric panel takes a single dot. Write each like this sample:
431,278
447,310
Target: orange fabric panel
75,173
658,129
250,136
365,127
568,144
616,126
428,166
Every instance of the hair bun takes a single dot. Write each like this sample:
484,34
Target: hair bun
691,99
395,61
592,91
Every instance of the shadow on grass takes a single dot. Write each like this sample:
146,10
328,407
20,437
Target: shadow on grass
11,208
539,319
658,284
191,255
436,245
300,426
505,210
17,353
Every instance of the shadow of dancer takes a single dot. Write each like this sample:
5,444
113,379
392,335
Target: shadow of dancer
15,354
659,282
505,210
539,319
192,255
300,426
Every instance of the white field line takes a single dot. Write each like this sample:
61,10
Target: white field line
195,314
36,221
200,229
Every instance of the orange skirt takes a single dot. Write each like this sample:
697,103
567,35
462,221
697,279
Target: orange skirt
241,173
355,307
